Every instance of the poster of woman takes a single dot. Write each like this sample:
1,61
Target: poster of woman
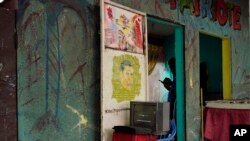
123,29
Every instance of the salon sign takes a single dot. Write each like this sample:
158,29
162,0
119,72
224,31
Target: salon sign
215,10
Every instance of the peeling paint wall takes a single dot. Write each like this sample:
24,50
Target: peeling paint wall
239,52
58,70
8,126
58,65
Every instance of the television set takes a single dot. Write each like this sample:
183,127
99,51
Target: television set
152,115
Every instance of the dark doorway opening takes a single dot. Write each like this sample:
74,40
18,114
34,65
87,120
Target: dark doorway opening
211,81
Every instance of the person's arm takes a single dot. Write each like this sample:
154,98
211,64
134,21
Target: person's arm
167,83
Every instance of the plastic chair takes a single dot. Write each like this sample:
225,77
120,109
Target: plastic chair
171,135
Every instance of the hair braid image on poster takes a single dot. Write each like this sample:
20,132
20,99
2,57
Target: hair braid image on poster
123,29
126,79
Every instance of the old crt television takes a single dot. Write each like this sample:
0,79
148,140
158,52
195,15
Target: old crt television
152,115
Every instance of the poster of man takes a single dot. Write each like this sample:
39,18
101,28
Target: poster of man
126,74
126,79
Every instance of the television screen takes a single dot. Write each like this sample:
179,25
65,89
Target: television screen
144,117
153,115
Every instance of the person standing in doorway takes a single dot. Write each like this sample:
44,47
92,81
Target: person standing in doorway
170,85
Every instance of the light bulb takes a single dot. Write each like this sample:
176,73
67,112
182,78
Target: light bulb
1,1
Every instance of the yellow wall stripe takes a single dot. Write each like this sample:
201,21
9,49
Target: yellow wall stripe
226,69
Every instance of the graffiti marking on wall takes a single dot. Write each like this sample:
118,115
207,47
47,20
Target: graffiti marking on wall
82,119
217,10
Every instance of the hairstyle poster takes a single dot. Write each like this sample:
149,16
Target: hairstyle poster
126,79
123,29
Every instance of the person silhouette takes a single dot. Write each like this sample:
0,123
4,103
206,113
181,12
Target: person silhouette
170,85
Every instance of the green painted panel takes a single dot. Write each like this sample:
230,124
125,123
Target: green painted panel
180,93
58,71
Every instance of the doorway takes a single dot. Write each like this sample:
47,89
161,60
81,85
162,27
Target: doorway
165,41
215,67
211,67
